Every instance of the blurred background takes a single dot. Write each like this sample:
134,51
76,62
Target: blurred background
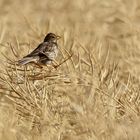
87,19
98,96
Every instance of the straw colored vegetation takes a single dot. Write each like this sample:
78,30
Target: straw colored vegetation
95,94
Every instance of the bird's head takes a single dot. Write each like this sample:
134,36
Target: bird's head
51,37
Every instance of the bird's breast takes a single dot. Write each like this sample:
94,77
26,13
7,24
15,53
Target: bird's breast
52,54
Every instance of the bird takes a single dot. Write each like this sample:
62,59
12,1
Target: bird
45,53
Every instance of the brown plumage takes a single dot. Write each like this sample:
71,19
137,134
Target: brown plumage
45,53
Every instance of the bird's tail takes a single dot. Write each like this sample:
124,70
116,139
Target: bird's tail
26,60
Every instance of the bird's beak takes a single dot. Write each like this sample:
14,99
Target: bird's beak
58,37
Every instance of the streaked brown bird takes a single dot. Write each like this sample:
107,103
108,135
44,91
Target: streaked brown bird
45,53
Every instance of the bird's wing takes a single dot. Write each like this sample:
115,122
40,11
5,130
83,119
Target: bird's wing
42,48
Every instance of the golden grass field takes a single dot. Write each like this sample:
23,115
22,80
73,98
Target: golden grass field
94,95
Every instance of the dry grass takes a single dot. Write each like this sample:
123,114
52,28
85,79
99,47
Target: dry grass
95,95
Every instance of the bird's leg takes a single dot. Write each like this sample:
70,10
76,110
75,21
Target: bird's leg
54,64
38,65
